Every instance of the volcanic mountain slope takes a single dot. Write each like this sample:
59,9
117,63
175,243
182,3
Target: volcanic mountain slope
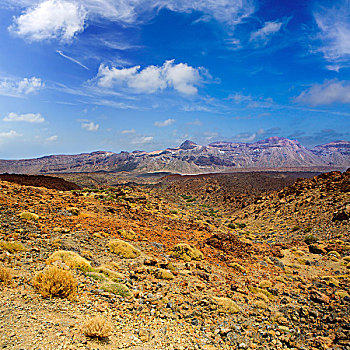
228,192
233,286
190,158
320,205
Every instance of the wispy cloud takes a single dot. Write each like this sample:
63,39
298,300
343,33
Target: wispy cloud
90,126
19,88
141,140
166,122
27,117
334,32
332,91
129,131
52,138
180,77
263,35
195,122
71,59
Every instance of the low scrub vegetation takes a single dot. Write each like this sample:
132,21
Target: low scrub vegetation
55,282
11,246
5,275
97,327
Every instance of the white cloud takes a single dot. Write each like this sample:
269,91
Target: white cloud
28,117
332,91
50,19
52,138
334,30
63,19
181,77
140,140
9,135
264,34
166,122
90,126
18,88
130,131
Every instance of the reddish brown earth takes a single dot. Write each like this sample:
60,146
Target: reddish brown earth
40,181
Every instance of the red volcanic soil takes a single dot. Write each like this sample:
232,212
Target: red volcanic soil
40,181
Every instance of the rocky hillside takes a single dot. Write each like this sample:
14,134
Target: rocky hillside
190,158
230,191
129,268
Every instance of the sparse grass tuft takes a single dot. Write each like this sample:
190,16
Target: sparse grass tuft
123,249
71,259
5,275
238,267
97,276
226,305
97,327
265,284
163,274
113,275
116,288
127,234
29,216
55,282
11,246
310,239
186,252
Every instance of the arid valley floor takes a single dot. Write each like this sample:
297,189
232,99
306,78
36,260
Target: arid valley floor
205,263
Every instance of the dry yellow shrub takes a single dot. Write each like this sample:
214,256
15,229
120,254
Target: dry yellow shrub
55,282
5,275
97,327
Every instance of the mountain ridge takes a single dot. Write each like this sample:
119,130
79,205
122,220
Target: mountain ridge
191,158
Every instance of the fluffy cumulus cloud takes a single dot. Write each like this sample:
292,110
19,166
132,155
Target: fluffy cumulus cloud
8,135
63,19
18,88
28,117
334,30
181,77
90,126
329,92
264,34
166,122
50,19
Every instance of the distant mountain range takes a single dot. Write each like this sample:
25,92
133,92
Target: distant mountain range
191,158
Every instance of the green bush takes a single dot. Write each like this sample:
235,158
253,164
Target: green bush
310,239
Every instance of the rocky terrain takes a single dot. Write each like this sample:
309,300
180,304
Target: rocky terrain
191,158
130,268
230,191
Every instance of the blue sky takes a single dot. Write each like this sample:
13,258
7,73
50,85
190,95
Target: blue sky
85,75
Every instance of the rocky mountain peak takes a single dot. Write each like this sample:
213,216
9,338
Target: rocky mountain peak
188,145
